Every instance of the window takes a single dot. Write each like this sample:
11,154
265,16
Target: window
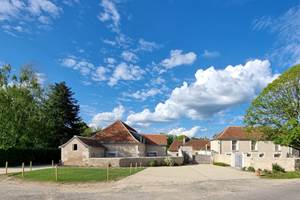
253,145
277,147
248,154
75,147
277,155
261,155
112,154
152,153
234,145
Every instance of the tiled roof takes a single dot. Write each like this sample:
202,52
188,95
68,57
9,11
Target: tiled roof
156,139
197,144
175,145
237,133
118,132
90,141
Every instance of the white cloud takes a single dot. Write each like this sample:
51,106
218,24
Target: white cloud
182,131
210,54
144,94
147,46
129,56
38,7
124,71
177,58
105,118
83,66
41,78
110,60
287,29
100,74
213,91
110,13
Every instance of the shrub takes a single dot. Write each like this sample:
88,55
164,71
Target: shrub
168,161
277,168
244,168
265,172
251,169
221,164
15,156
152,163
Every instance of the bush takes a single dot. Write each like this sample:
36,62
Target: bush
153,163
244,168
277,168
221,164
266,172
251,169
16,156
168,161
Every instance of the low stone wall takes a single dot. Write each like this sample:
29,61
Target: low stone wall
126,161
289,164
222,158
203,159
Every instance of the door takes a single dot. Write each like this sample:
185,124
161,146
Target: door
237,160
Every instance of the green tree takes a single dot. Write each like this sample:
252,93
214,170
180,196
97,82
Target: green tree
276,111
21,122
63,119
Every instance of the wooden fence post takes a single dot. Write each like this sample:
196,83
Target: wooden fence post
56,173
22,169
30,165
107,172
130,168
6,167
52,163
141,165
136,166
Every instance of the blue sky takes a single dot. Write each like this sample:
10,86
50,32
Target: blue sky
168,66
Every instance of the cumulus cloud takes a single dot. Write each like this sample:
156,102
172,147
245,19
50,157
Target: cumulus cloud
213,91
105,118
177,58
83,66
110,13
123,71
147,46
287,29
187,132
100,74
145,94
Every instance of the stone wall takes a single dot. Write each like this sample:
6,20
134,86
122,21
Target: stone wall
161,150
289,164
125,162
125,150
222,158
203,159
74,157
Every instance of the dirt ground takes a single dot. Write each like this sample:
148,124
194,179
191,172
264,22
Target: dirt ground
186,182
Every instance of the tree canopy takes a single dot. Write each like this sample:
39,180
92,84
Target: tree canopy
276,111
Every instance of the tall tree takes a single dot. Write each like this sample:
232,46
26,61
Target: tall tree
276,111
63,115
20,113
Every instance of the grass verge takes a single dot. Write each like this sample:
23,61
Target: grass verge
221,164
77,174
282,175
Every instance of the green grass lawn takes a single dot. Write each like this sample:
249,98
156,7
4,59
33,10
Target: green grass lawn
282,175
76,174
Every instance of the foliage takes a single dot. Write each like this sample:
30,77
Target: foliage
282,175
276,111
250,169
152,163
168,161
277,168
77,174
15,157
244,168
221,164
170,140
32,118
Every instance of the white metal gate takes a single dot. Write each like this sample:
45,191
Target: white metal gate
237,160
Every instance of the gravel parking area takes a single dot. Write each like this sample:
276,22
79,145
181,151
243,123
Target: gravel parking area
186,182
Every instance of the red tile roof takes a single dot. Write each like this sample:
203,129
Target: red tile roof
118,132
198,144
237,133
175,145
90,142
156,139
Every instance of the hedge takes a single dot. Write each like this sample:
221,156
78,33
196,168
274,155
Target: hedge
15,156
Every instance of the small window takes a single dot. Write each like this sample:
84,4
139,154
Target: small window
152,153
112,154
75,147
277,147
228,154
248,154
277,155
261,155
234,145
253,145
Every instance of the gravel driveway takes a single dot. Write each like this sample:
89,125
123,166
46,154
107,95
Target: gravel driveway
186,182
